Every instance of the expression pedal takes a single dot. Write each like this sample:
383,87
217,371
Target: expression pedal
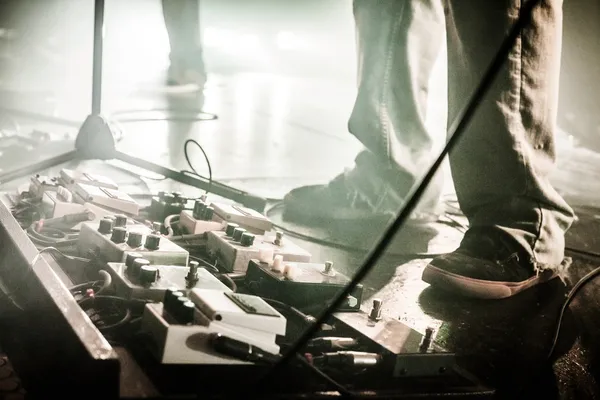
405,352
138,279
69,178
300,285
235,248
113,237
180,328
105,197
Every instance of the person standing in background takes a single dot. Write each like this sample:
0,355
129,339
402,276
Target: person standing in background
182,20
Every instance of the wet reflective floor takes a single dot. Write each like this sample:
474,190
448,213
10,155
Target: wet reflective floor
281,84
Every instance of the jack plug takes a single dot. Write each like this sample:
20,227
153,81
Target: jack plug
324,344
347,359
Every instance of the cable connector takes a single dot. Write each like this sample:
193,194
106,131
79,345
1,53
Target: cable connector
347,359
331,344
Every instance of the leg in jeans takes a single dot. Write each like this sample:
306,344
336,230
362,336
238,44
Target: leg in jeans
182,20
500,167
398,43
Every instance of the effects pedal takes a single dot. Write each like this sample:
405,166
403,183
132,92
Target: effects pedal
235,247
39,184
60,203
138,279
200,220
70,177
113,237
251,220
166,204
180,328
405,352
105,197
300,285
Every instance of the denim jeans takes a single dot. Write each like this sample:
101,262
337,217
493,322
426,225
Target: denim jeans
501,165
182,20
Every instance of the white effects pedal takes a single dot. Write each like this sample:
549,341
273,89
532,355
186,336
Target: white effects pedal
235,247
112,238
181,326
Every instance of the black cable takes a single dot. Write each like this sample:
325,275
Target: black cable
193,170
193,115
455,132
94,304
322,375
230,283
334,245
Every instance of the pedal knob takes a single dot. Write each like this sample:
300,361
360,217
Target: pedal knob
183,310
199,207
120,220
135,239
136,266
131,257
152,242
237,234
171,296
208,214
231,227
106,226
148,274
186,313
247,239
118,235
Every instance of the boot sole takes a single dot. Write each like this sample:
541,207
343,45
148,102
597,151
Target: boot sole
478,288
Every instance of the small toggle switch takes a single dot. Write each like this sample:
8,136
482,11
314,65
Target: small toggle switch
328,269
278,238
375,314
427,339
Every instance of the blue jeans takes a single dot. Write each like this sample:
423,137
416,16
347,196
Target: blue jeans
500,167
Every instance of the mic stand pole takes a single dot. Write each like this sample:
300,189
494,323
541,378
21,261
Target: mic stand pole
96,139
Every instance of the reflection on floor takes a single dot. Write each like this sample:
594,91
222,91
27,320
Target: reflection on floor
281,123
